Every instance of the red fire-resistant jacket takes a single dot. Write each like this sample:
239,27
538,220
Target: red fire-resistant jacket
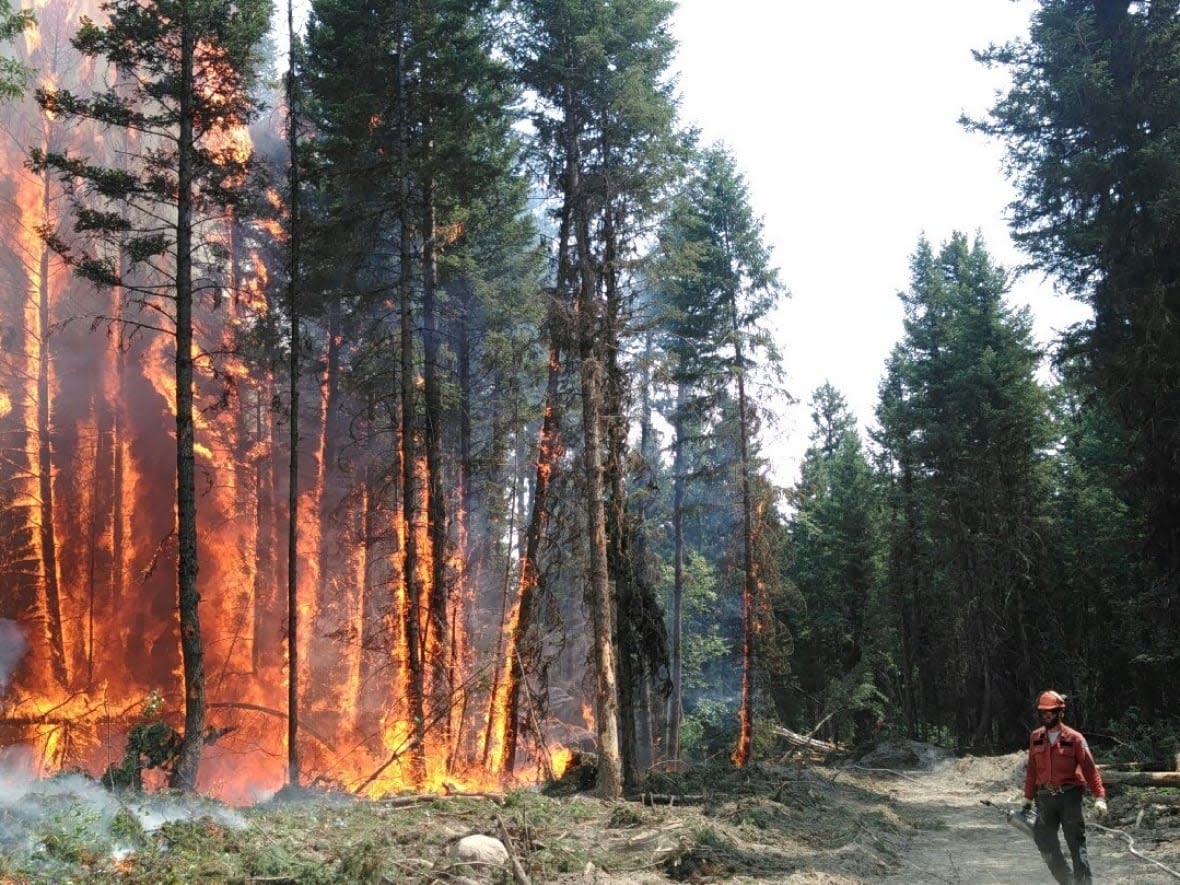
1066,763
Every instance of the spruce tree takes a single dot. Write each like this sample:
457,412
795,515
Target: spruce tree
722,288
147,225
964,428
833,561
1090,123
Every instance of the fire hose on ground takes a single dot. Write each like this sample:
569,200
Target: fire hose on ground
1024,823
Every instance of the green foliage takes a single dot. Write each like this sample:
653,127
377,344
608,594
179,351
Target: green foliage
126,829
1091,124
1135,737
834,561
964,431
14,76
710,728
706,649
149,745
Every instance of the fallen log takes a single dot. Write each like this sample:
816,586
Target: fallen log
806,743
1137,766
1142,778
654,799
422,798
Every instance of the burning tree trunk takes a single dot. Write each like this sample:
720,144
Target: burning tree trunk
741,753
606,693
45,456
415,639
504,715
296,334
48,538
187,69
441,664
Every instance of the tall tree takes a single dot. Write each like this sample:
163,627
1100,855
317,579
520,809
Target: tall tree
1090,125
294,278
407,169
189,65
724,287
963,428
599,73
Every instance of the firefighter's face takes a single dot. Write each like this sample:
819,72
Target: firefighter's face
1050,717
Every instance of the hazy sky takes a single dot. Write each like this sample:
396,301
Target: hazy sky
843,117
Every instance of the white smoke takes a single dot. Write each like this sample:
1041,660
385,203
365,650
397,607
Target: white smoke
12,648
47,824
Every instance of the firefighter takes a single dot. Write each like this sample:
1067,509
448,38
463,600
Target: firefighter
1060,769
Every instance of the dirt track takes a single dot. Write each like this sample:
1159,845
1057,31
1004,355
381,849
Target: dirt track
972,843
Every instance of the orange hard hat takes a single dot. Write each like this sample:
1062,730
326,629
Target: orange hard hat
1050,700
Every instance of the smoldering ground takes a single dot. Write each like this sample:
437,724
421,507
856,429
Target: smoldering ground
50,826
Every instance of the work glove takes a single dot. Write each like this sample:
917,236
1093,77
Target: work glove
1027,806
1100,808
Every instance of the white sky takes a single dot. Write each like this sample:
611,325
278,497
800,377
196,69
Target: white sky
843,118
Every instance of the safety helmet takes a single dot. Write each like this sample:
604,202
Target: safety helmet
1050,700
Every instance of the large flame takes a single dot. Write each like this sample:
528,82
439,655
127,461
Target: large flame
87,522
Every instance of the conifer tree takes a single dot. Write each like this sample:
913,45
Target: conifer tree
963,430
722,287
833,562
144,226
604,119
1090,127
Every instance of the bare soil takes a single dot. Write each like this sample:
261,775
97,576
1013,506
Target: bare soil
975,844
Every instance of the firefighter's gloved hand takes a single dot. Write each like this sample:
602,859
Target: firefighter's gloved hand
1027,806
1100,808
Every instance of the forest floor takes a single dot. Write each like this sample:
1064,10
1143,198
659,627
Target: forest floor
905,813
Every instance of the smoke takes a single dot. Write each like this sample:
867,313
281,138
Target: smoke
47,826
12,648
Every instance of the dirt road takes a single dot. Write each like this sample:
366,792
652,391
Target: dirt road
968,842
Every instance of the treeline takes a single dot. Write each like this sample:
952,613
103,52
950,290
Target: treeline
998,536
511,323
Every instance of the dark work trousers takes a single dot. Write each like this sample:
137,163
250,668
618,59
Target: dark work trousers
1062,810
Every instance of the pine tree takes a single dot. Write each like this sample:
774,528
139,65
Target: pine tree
189,65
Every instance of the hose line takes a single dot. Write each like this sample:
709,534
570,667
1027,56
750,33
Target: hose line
1131,847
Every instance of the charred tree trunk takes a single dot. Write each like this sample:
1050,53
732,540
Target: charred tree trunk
441,664
296,334
48,537
410,555
741,754
184,775
504,716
